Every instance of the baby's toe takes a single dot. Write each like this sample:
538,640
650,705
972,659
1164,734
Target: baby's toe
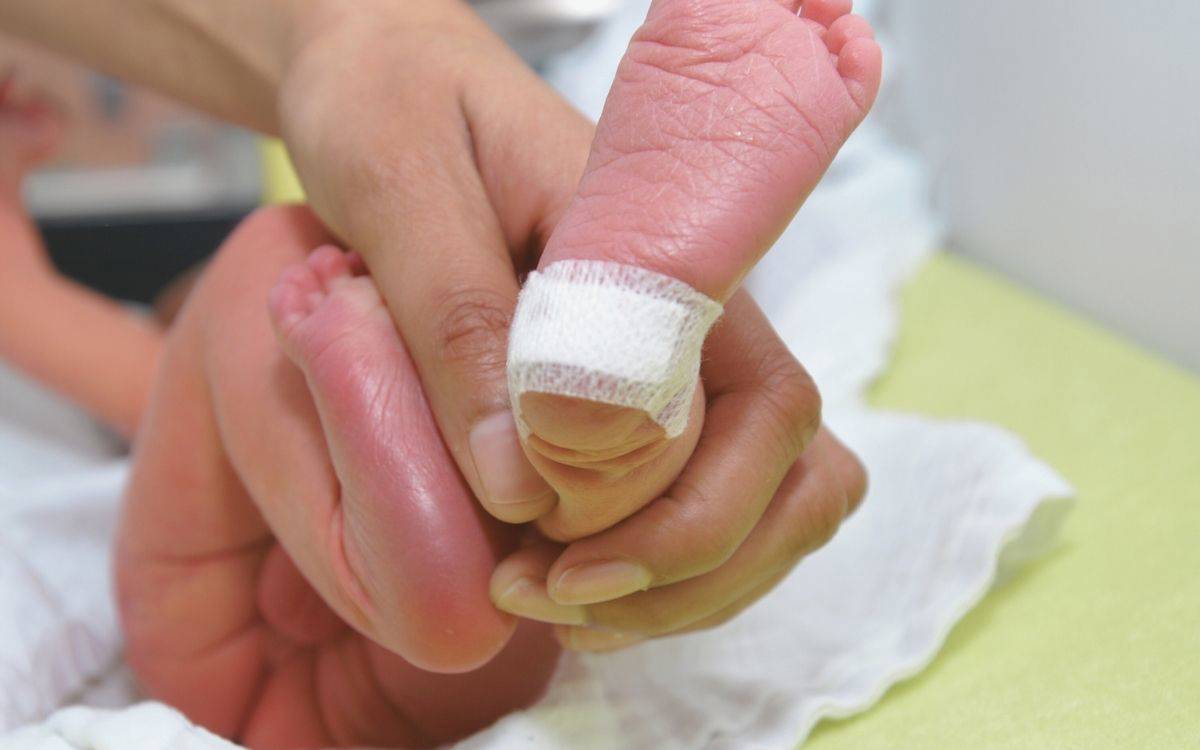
293,298
825,12
846,28
860,63
329,264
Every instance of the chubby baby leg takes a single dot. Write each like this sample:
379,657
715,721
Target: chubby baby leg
255,586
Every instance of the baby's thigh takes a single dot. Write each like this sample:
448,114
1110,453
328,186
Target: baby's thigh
266,421
180,452
191,540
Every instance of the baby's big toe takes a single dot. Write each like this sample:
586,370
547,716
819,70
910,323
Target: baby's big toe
860,62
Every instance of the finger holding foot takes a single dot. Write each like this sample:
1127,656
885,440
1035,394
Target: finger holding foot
763,414
803,514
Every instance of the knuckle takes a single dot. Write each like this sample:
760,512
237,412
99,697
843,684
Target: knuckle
472,328
855,479
714,548
820,522
710,545
793,398
826,521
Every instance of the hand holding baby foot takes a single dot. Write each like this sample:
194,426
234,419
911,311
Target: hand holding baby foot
743,511
713,195
764,488
722,119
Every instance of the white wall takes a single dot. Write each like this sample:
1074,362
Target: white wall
1064,137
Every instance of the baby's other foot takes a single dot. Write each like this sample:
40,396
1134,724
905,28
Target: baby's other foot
404,505
30,132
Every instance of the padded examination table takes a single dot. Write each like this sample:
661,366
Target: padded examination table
1098,645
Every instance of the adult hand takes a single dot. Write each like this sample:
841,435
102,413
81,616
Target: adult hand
429,148
766,486
448,207
444,161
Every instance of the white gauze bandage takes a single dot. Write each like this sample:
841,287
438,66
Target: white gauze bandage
610,333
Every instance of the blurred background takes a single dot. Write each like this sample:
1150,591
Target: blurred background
1061,146
141,189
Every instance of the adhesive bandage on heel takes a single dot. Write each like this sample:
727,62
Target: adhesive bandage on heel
610,333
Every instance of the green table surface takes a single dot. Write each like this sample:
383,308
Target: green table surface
1097,645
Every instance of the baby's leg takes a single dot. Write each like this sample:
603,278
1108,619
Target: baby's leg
722,118
218,618
389,456
73,340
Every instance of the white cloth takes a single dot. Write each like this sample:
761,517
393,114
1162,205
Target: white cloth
146,726
60,481
871,608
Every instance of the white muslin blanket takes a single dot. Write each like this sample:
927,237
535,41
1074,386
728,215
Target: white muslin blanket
951,505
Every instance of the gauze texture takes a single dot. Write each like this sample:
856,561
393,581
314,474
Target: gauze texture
610,333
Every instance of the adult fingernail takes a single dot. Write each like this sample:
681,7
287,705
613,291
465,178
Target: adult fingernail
597,639
504,471
589,583
526,597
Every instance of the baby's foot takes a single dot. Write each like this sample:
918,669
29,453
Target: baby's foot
30,132
405,499
722,119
